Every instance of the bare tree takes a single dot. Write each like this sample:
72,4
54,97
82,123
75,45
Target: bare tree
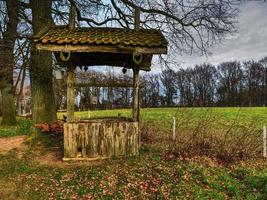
44,109
254,75
204,82
7,64
168,81
150,91
191,26
230,84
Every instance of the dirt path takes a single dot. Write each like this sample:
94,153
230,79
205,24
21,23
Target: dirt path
52,157
9,143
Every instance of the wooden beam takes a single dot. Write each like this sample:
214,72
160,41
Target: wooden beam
101,48
72,17
70,93
136,87
137,19
117,85
110,59
136,78
94,140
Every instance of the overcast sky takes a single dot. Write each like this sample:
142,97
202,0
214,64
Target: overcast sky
249,43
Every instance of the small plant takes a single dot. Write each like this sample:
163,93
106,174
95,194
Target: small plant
22,128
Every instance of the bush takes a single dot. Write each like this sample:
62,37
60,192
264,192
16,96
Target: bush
22,128
227,142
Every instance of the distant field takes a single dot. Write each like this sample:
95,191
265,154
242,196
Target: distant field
189,116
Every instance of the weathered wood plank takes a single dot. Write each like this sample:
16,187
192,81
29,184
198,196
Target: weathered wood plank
97,140
137,19
70,93
72,17
136,85
100,48
116,85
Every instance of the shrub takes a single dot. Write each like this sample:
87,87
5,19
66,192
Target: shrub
22,128
227,142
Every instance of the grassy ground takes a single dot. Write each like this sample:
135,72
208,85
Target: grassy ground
154,174
163,116
147,176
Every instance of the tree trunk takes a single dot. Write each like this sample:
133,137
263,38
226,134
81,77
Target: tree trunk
43,100
7,64
19,96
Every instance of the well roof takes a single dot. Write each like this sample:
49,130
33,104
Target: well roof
143,38
103,46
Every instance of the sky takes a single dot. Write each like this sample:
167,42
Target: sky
250,42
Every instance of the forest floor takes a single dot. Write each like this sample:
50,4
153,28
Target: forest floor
33,169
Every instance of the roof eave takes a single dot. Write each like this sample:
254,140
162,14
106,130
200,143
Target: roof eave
101,48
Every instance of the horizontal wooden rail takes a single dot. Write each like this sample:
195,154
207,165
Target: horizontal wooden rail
118,85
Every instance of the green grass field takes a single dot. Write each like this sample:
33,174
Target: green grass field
163,116
151,175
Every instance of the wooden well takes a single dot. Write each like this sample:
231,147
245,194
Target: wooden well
100,139
126,48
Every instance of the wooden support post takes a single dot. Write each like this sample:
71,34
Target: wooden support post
264,142
139,101
137,19
71,72
136,79
174,129
136,88
72,17
70,93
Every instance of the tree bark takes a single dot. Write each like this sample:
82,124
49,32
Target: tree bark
43,100
7,64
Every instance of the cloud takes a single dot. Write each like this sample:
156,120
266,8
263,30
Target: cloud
249,43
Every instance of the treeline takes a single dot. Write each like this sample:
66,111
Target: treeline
228,84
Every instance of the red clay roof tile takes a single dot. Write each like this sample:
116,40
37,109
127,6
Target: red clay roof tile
103,36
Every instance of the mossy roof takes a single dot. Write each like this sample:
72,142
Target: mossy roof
62,35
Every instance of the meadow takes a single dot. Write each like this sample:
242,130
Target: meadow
163,117
161,171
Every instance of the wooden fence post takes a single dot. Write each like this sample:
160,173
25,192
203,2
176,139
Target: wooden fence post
264,142
174,129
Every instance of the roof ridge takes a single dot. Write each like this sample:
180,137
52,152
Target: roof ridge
99,28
